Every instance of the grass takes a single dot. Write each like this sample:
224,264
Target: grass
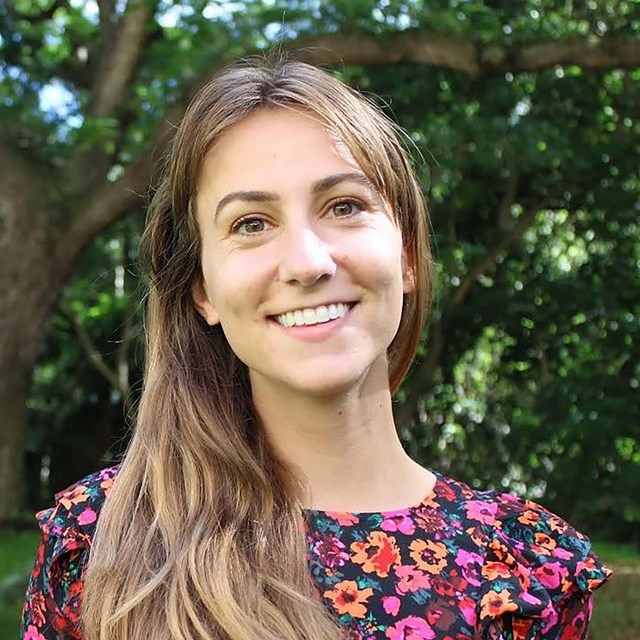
17,554
616,617
617,614
617,554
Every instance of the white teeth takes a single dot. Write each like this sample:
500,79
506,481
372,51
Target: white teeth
302,317
322,314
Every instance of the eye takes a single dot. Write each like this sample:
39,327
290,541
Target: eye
250,226
346,208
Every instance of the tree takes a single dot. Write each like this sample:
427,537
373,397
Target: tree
127,72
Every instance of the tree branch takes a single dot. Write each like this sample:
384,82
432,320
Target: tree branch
107,15
590,52
119,60
95,357
21,181
488,260
463,54
126,329
126,337
109,202
454,52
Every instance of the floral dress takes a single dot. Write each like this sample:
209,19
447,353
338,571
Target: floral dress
461,565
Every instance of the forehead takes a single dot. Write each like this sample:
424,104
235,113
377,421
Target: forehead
275,146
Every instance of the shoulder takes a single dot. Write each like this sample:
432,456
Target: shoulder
521,532
74,515
53,600
559,556
538,571
528,526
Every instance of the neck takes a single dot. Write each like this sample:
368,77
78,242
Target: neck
345,447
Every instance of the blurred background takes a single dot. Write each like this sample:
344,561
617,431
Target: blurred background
524,120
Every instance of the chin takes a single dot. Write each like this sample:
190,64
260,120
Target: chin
326,379
334,385
326,390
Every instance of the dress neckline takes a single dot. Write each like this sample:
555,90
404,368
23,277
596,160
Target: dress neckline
388,513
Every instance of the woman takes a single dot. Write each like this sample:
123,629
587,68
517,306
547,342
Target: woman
265,494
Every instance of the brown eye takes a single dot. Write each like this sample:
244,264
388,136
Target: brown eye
250,226
346,208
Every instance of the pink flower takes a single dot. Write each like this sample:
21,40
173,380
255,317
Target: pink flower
467,608
561,553
531,599
391,605
411,579
465,558
87,516
399,522
471,565
484,512
411,628
331,551
551,574
33,634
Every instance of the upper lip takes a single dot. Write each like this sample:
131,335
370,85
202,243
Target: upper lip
313,305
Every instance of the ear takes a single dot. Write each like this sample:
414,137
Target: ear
408,276
203,304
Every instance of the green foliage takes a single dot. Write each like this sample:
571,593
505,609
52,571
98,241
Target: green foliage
529,371
539,372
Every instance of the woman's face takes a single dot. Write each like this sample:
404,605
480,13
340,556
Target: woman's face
302,262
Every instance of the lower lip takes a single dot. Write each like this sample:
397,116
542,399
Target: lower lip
315,331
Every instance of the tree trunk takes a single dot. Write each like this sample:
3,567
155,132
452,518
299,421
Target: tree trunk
15,379
30,284
40,241
30,281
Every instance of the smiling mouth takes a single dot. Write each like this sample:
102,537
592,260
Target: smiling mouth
314,315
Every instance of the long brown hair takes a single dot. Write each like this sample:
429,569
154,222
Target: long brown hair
202,535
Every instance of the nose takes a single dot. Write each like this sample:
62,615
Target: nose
306,258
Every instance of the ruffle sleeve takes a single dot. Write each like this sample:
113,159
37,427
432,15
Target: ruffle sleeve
539,576
52,605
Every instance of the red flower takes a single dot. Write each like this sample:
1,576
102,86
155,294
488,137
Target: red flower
378,554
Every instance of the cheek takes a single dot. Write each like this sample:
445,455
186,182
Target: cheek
379,260
235,293
232,302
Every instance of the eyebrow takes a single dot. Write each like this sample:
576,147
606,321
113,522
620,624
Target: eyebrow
318,187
